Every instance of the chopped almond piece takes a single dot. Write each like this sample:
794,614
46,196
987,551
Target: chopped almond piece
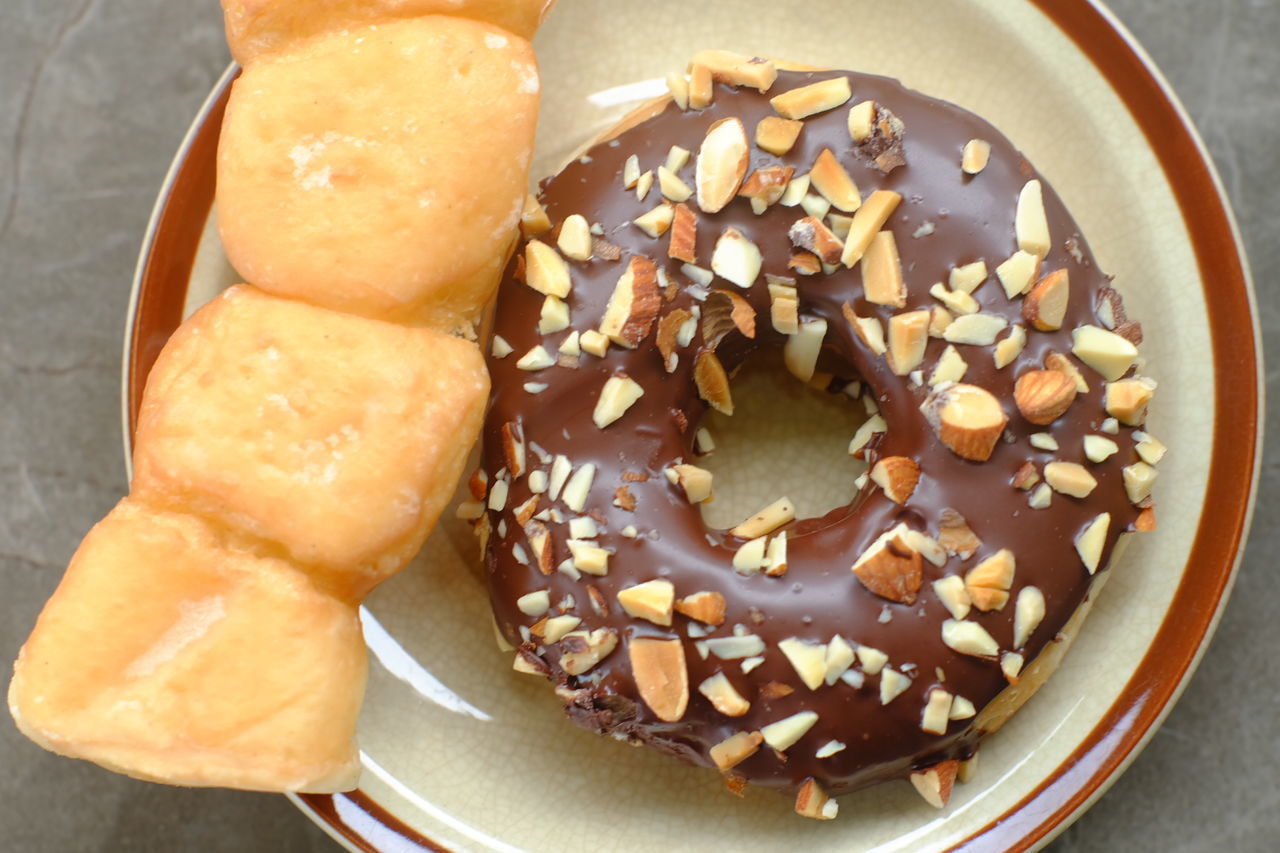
832,180
723,697
1018,273
1027,613
738,70
705,607
662,679
800,351
812,801
767,520
967,277
1030,223
1059,362
684,235
908,336
1010,347
634,304
1069,478
1138,480
694,481
721,164
784,305
783,734
894,571
951,592
867,223
1026,476
712,382
678,86
1091,540
736,259
652,600
935,783
1046,304
1043,396
975,156
533,218
814,98
1106,352
581,656
868,329
862,120
809,660
898,476
701,88
764,187
777,135
735,749
811,234
618,394
1126,399
805,263
967,419
574,240
673,186
988,583
955,535
656,222
723,312
969,638
882,272
1146,520
545,271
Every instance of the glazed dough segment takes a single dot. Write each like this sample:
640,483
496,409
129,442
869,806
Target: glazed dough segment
299,437
167,655
257,27
380,170
334,436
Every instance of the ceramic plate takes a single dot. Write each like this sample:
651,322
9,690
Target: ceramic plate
462,753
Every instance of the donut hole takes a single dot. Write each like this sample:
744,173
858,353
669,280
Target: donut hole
784,438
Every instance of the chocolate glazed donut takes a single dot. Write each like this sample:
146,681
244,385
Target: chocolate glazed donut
816,655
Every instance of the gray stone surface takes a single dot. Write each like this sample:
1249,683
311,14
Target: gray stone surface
94,98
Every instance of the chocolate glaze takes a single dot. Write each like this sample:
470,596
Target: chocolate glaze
819,596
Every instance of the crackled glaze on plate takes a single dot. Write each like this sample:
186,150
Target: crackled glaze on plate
463,753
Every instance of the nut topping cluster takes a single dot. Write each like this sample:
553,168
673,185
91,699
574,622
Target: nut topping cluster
1005,434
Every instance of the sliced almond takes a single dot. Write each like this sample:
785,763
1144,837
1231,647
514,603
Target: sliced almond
656,222
882,272
777,135
908,336
1126,399
678,86
701,87
867,223
736,258
783,734
764,187
832,180
1009,347
684,234
735,749
935,783
662,679
634,304
1027,613
545,271
894,571
723,697
862,120
812,801
975,156
738,70
812,235
968,277
667,337
800,351
1030,223
975,329
1042,396
1046,304
694,481
955,536
574,239
1069,478
712,382
706,607
814,98
967,419
1091,540
767,520
721,164
969,638
939,319
898,476
652,600
1106,352
988,582
533,218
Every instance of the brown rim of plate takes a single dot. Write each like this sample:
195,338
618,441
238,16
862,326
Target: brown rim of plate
186,198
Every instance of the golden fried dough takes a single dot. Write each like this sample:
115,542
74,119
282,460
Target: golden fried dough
256,27
337,437
380,170
165,655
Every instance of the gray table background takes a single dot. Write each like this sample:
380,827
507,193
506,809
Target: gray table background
94,98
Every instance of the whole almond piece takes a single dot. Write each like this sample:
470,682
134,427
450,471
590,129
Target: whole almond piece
1045,305
722,164
661,677
967,419
1043,395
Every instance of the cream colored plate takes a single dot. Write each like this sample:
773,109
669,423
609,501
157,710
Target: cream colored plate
478,757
